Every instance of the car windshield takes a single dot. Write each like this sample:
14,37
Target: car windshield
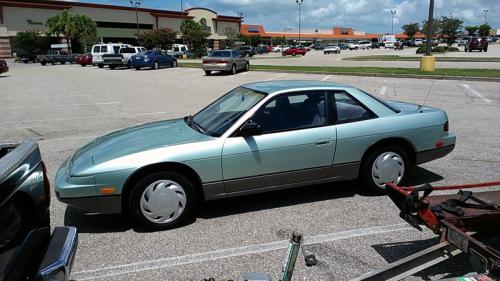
221,54
216,118
143,53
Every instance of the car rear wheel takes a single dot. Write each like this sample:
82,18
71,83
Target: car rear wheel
83,65
12,224
100,65
162,200
174,63
385,164
233,69
156,65
112,66
43,62
208,72
137,68
247,66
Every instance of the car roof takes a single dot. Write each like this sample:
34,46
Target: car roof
288,85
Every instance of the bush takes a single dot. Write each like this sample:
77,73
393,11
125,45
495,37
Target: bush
438,49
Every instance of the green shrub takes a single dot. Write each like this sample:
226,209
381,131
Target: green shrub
438,49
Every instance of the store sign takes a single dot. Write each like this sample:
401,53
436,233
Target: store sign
32,22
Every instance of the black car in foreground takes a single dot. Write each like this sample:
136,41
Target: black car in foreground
28,250
247,51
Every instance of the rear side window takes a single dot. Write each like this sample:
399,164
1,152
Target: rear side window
104,49
116,49
347,109
97,49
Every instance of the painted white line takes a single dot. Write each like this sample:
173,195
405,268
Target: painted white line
471,90
230,252
64,105
277,77
85,117
326,78
70,138
382,90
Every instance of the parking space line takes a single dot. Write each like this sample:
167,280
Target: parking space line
382,90
471,90
230,252
65,105
277,77
326,78
85,117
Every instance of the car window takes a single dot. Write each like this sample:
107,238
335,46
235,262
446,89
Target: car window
97,49
116,49
221,54
292,112
104,49
347,109
236,55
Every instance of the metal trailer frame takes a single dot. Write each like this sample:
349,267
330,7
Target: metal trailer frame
463,228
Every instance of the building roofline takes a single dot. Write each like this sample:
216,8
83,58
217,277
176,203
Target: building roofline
201,8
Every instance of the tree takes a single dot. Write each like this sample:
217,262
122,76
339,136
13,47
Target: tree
436,27
61,23
159,38
484,29
84,30
232,36
28,42
411,29
252,40
449,28
196,36
278,40
471,30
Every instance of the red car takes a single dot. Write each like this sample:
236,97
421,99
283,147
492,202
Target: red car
269,49
294,51
84,59
3,66
476,44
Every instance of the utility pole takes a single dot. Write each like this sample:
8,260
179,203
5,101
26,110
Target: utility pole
393,12
299,2
430,24
182,22
136,5
485,11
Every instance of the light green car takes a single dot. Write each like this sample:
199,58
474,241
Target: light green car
258,137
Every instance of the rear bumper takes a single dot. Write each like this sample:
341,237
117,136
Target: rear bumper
141,63
109,204
433,154
217,67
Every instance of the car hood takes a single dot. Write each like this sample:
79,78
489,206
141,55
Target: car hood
133,140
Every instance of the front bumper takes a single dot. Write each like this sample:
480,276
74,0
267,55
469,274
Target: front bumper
108,204
217,67
4,69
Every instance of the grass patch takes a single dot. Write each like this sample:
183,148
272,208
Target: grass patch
416,58
371,70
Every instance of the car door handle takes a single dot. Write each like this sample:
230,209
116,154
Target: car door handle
322,142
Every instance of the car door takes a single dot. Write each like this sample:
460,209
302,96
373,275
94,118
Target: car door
296,145
240,62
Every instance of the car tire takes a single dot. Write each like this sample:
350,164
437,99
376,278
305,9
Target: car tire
43,62
12,225
168,187
112,66
247,66
137,68
174,63
83,65
283,54
208,72
356,48
386,163
233,69
156,65
100,65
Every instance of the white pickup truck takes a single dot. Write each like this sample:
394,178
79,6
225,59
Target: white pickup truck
122,58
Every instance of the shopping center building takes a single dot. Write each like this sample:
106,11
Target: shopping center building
114,23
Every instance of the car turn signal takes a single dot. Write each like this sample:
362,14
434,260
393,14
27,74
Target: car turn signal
108,190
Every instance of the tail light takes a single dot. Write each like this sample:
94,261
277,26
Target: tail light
205,61
46,183
222,61
446,126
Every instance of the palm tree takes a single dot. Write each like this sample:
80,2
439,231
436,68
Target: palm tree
61,24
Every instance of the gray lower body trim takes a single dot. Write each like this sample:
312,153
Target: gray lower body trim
433,154
109,204
264,183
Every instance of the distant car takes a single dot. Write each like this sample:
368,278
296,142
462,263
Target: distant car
3,66
262,49
293,51
363,45
318,46
56,56
122,58
98,50
375,45
331,48
247,51
344,46
227,60
418,42
153,59
463,41
259,137
389,44
84,59
277,49
477,44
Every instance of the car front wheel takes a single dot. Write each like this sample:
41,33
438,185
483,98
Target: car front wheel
208,72
385,164
233,69
162,200
247,66
156,65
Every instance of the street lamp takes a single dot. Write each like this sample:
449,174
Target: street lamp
299,2
136,5
393,12
182,22
485,12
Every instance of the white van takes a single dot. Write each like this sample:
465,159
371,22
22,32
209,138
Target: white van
100,49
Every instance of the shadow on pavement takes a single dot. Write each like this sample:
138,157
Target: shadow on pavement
97,223
454,267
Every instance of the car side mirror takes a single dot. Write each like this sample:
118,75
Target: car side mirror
250,129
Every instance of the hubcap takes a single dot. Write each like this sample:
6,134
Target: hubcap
163,201
388,167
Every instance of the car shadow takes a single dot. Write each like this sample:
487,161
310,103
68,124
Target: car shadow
4,76
99,223
453,267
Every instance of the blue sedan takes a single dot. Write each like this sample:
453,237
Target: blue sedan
258,137
153,59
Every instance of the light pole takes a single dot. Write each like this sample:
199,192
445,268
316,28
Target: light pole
299,2
136,5
182,22
485,11
393,12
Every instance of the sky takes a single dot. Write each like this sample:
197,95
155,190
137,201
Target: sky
364,15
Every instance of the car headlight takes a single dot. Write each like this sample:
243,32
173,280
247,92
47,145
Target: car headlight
146,58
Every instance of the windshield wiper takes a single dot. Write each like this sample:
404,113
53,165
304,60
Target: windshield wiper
191,123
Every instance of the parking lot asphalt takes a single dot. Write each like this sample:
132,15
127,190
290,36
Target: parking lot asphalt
317,58
350,231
